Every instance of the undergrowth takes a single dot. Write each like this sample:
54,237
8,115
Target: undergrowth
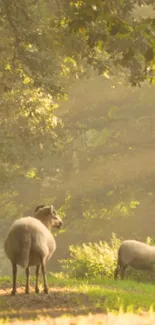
100,259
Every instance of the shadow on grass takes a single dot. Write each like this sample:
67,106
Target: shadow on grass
60,301
70,297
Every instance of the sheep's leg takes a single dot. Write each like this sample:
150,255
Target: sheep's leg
122,271
43,269
27,280
116,272
37,278
14,273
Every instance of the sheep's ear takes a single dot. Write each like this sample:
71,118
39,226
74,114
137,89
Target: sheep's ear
52,208
39,207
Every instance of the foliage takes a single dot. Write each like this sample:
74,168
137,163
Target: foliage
63,127
113,35
92,260
36,68
99,260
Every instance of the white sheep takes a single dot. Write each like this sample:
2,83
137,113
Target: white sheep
30,243
135,254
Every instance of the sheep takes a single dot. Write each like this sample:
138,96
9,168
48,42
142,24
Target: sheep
30,243
135,254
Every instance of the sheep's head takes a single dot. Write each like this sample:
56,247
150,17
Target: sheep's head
48,215
56,220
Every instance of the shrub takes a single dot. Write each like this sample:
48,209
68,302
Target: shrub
93,259
99,259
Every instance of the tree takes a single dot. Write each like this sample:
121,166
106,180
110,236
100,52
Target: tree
45,151
112,34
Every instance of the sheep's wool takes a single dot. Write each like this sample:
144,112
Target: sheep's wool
136,254
29,240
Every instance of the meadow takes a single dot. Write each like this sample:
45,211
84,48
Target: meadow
78,301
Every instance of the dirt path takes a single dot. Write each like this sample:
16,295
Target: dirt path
58,302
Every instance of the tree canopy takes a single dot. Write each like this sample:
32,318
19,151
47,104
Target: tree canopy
72,130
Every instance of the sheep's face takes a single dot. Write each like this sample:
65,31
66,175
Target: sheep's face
48,215
56,220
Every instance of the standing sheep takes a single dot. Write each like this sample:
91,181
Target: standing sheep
135,254
30,243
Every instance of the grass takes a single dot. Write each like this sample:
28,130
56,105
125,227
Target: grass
107,293
112,295
75,297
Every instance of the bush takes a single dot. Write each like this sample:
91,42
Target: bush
99,259
93,259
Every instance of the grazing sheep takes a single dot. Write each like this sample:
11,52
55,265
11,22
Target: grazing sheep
30,243
135,254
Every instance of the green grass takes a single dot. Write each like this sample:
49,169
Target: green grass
96,295
110,294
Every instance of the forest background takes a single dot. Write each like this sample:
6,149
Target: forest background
77,120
